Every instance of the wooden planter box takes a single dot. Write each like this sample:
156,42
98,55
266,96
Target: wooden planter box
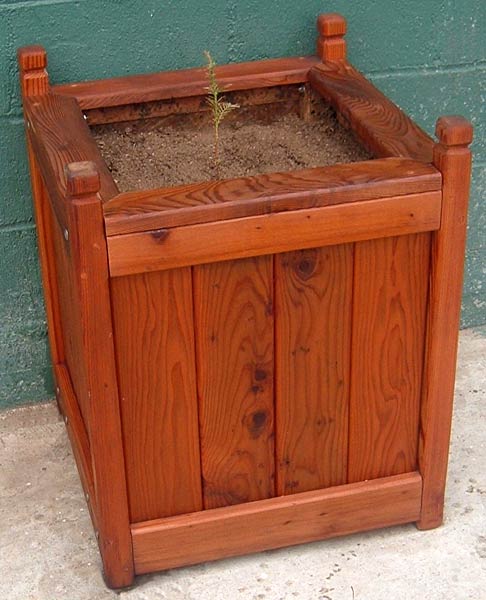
256,362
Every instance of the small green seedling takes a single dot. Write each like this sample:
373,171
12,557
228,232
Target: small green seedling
219,108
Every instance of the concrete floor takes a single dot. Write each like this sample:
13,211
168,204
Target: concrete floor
48,550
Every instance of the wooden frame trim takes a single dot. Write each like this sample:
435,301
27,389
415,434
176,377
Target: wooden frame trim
289,96
60,135
118,91
132,212
380,125
276,522
268,234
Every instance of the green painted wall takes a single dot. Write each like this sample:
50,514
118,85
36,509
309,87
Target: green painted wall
429,56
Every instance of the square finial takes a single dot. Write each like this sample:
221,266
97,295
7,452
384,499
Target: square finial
331,45
32,58
34,80
82,178
454,130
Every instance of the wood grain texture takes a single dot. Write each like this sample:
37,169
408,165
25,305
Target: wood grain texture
284,98
381,126
267,234
313,294
234,347
268,193
389,312
187,82
446,275
154,340
275,523
89,266
59,136
68,312
34,80
44,222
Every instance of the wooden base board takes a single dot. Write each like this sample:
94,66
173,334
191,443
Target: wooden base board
276,522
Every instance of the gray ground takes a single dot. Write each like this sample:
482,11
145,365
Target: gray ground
48,550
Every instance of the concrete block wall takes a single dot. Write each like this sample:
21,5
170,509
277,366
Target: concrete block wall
429,57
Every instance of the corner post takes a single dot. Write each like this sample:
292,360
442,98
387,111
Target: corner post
34,81
331,45
88,250
453,159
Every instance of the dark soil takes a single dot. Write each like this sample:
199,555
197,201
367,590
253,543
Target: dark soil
164,155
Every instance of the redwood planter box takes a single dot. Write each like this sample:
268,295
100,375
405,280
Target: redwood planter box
257,362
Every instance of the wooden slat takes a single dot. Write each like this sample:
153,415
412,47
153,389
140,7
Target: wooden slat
279,232
234,346
59,135
382,127
263,194
283,98
45,224
389,310
275,523
313,293
188,82
69,315
453,158
154,340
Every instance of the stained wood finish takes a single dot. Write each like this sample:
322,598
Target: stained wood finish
275,523
269,193
389,311
59,136
312,352
285,98
154,340
68,312
188,82
45,242
453,158
234,347
330,43
267,234
34,80
380,125
87,251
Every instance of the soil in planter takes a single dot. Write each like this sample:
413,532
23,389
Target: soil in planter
161,154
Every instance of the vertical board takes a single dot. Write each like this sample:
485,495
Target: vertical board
69,314
154,340
313,305
389,312
234,348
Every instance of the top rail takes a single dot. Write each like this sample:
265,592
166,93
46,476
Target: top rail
59,135
382,127
142,210
188,82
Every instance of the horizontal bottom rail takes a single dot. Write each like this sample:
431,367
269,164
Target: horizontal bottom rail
277,522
